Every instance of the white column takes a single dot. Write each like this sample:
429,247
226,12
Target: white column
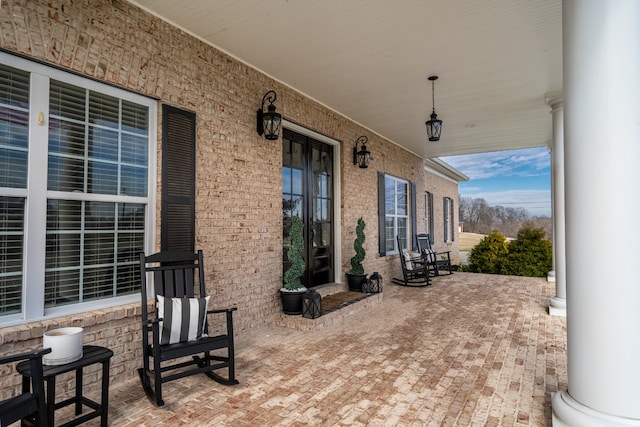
602,192
558,304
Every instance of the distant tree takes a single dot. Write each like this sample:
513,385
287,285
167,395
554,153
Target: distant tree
479,217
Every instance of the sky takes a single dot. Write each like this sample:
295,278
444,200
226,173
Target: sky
513,179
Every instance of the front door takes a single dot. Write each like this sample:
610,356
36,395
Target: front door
307,192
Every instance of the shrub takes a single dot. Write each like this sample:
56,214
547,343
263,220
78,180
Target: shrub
530,254
356,261
292,275
488,255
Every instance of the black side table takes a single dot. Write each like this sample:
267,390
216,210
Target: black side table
91,354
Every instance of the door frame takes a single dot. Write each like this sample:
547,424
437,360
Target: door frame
337,196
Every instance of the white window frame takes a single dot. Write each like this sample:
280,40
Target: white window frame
394,215
36,193
448,219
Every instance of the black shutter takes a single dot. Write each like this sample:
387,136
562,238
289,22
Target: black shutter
382,239
414,220
431,218
178,209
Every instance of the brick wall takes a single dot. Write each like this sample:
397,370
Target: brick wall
238,191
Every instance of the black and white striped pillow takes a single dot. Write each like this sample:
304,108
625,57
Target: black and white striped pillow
183,318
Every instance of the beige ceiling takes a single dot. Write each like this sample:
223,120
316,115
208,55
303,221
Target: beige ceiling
369,60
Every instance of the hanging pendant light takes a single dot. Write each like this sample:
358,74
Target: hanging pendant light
434,126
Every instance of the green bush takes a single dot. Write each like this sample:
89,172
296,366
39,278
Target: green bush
356,261
488,255
530,254
292,275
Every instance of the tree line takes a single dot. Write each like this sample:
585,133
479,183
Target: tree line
479,217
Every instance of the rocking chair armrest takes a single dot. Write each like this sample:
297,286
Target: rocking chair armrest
151,322
222,310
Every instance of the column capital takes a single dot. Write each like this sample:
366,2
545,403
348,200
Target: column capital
554,100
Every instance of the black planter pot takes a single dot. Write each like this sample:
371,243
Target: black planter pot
356,281
292,301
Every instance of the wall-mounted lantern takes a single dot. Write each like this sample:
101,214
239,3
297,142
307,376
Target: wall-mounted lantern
362,157
269,122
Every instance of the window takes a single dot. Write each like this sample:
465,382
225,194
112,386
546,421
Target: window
394,213
428,215
447,203
75,191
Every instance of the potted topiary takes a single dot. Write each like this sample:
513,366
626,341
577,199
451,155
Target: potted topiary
293,289
356,276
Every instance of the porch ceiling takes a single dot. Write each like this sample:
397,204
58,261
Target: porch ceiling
369,60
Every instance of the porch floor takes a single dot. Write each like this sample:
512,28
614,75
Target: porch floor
470,350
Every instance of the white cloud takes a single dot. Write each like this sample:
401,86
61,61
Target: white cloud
525,162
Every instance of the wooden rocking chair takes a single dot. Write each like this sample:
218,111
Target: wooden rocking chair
415,271
436,260
178,325
29,406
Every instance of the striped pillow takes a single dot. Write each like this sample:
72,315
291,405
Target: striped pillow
184,318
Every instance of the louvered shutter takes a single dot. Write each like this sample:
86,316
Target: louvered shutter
178,179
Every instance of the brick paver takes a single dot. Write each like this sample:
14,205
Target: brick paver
470,350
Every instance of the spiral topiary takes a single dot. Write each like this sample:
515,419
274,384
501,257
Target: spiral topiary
356,260
292,275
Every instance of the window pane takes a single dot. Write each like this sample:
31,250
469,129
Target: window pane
129,247
99,216
389,196
14,130
131,216
14,87
104,110
65,174
11,248
66,137
61,287
296,181
401,198
103,144
390,234
134,150
67,101
98,249
135,119
103,178
133,181
128,279
97,283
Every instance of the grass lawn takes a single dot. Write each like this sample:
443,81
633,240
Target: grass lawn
469,240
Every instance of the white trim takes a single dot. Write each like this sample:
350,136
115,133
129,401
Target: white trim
337,196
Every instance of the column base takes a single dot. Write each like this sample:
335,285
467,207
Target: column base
558,307
551,276
568,412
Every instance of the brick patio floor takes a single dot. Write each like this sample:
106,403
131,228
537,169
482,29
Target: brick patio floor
470,350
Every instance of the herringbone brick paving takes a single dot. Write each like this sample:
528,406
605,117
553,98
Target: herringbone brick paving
470,350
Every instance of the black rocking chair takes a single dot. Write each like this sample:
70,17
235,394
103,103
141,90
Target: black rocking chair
178,326
436,260
415,271
30,405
